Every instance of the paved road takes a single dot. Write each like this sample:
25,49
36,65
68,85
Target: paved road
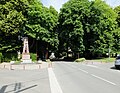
24,81
63,77
87,78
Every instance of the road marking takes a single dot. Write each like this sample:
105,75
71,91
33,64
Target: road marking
103,79
113,70
54,85
83,70
73,66
92,66
80,69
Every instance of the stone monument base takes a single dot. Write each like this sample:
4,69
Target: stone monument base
25,56
26,61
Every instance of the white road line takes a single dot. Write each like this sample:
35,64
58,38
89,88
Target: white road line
83,70
103,79
54,85
92,66
114,70
73,66
80,69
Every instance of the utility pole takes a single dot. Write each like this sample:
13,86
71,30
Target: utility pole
109,50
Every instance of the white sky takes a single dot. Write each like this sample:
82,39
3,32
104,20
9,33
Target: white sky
57,4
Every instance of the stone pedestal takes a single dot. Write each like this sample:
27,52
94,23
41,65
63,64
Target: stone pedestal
26,54
26,61
26,58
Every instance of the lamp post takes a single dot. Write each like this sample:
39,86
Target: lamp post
109,50
37,38
20,38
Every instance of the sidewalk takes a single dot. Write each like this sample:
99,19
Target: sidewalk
24,81
23,66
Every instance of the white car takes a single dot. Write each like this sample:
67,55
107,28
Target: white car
117,62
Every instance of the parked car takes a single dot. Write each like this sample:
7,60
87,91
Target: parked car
117,62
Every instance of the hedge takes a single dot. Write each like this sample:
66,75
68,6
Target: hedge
80,60
1,57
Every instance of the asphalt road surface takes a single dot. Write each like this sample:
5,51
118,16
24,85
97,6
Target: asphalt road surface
63,77
87,78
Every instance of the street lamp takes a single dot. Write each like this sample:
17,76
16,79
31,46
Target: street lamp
109,50
37,38
19,38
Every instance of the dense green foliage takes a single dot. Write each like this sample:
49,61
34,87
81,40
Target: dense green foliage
117,31
1,57
29,18
7,57
71,19
80,60
12,20
84,28
117,10
102,22
41,26
88,27
33,57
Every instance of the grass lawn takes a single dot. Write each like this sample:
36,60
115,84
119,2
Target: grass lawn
104,60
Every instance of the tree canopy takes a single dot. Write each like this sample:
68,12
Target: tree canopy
27,18
116,32
102,22
12,19
90,24
117,10
71,19
88,28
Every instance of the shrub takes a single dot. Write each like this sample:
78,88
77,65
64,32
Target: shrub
1,56
47,60
33,56
7,57
80,60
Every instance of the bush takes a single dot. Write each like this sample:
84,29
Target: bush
1,56
7,57
80,60
48,60
33,56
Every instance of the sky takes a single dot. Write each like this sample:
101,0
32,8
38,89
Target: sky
57,4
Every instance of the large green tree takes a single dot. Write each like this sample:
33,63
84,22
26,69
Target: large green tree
41,25
100,24
117,31
116,35
117,10
12,19
27,18
87,26
71,19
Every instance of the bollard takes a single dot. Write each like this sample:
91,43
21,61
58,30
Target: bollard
4,66
92,62
39,66
49,65
10,67
23,67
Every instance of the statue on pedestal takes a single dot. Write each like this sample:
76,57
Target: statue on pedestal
25,53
